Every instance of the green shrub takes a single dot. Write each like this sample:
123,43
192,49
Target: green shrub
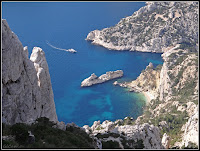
127,121
6,129
9,144
110,145
20,130
139,144
158,67
190,146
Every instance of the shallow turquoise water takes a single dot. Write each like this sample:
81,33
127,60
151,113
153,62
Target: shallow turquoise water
66,25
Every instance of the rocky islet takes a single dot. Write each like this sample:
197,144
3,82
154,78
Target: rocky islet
93,79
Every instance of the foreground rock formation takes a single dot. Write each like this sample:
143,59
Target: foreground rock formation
156,27
93,79
125,135
26,85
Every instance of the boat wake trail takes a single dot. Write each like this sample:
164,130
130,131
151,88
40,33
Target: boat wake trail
69,50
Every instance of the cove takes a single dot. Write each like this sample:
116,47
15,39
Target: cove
66,25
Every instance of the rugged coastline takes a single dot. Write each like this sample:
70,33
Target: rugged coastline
147,83
172,90
154,23
160,110
170,119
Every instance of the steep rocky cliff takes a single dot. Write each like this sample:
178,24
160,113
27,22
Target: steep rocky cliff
153,28
26,85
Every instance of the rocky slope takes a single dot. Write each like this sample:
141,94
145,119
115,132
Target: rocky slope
174,87
124,135
93,79
173,107
26,85
154,28
147,82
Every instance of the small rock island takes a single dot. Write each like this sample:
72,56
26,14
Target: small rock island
93,79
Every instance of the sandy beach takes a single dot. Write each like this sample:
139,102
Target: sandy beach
148,96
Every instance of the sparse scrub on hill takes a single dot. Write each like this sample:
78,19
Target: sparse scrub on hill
46,136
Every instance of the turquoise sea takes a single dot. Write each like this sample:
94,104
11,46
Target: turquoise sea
66,25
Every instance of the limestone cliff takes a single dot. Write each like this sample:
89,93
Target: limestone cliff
175,98
179,74
156,27
191,133
26,85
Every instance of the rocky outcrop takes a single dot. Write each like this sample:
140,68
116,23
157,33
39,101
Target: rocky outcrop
165,141
148,81
191,133
93,79
153,28
180,69
165,87
148,136
27,92
44,82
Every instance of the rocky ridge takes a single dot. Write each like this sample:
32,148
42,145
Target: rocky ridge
93,79
160,26
26,85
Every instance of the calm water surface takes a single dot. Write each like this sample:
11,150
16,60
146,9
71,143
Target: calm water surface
66,25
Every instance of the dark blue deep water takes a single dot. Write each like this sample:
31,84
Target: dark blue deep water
66,25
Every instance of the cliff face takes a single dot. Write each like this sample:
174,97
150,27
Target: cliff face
26,86
176,96
191,134
179,74
148,81
160,26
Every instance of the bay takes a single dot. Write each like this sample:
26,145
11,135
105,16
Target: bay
66,25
